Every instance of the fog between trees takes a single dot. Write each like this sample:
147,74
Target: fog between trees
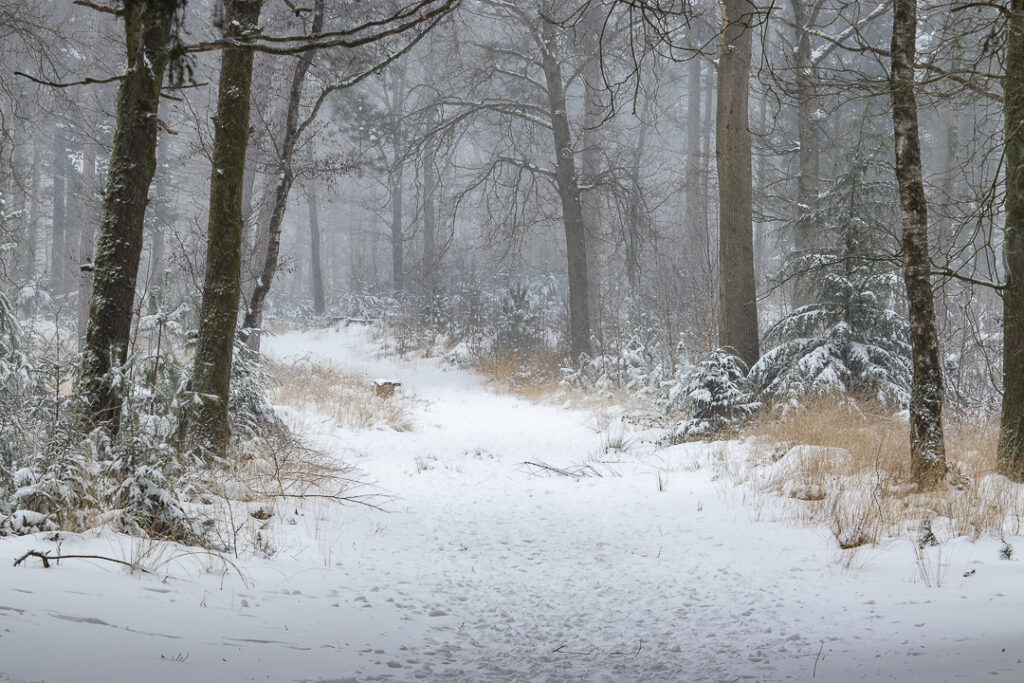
726,209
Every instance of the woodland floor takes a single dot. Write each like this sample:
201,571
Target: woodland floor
483,568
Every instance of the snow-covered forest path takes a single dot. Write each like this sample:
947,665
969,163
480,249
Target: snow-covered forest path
484,569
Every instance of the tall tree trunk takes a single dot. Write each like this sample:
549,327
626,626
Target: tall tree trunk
90,215
636,220
397,246
696,228
569,193
927,448
59,168
590,155
73,212
285,178
119,242
316,267
808,178
34,200
1011,426
397,71
429,220
737,287
207,427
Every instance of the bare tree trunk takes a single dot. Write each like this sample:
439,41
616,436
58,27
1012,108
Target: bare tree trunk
696,216
430,263
207,426
397,245
58,167
927,447
34,199
119,241
808,183
1011,426
316,268
569,193
397,71
90,213
90,216
285,177
72,220
737,287
636,220
590,155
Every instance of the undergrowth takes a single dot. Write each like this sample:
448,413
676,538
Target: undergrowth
846,467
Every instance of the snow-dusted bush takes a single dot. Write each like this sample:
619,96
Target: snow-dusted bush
714,394
852,337
635,367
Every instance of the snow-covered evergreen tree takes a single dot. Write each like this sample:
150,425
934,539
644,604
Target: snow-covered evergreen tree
853,336
715,393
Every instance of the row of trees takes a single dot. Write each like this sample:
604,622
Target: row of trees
692,172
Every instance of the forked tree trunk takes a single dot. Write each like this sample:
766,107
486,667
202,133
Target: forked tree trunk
569,193
285,178
737,287
207,426
1011,426
119,240
927,447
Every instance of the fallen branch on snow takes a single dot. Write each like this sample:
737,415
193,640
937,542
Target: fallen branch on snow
56,558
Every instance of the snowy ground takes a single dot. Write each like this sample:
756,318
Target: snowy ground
486,570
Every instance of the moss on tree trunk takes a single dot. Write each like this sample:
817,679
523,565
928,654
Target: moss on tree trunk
927,447
1011,427
148,27
206,425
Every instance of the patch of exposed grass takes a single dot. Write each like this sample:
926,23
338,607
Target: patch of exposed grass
348,398
848,468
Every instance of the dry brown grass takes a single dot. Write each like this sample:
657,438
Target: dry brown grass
537,378
534,377
346,397
857,480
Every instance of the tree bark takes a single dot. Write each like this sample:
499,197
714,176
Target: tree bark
737,287
927,447
569,193
285,179
316,268
1011,426
207,426
119,241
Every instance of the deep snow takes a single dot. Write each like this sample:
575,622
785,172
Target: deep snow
485,569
